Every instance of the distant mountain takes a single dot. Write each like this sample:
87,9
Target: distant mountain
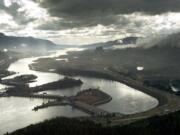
109,44
27,43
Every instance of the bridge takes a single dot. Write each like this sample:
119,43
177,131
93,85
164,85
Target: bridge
90,109
43,96
93,110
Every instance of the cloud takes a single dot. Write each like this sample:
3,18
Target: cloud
23,11
89,8
66,23
88,21
12,10
88,13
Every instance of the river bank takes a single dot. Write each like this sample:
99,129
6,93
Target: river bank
86,100
168,103
66,82
105,73
125,100
22,89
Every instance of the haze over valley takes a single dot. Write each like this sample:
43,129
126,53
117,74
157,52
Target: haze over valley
89,67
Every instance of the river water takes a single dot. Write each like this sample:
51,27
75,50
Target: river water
17,112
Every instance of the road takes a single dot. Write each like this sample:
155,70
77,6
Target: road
168,103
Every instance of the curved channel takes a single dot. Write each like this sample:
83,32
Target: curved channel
17,112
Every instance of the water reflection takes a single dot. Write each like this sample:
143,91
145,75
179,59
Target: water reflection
17,113
126,100
22,67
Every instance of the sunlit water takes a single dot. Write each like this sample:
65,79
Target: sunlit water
126,100
17,112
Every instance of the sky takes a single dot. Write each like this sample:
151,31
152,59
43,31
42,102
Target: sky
82,22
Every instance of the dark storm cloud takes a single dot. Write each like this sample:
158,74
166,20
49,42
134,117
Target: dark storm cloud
85,13
88,8
66,23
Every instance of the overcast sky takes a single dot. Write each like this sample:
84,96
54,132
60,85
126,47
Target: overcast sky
88,21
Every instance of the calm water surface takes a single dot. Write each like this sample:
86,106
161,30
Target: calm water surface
17,112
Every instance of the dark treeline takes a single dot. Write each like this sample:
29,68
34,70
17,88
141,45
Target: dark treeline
64,83
76,72
159,125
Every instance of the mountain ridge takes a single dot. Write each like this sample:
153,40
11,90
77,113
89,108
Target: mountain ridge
27,43
117,42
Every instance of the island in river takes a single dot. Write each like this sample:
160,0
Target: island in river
92,63
106,71
92,97
20,79
22,89
86,100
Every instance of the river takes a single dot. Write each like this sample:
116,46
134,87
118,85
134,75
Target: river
17,112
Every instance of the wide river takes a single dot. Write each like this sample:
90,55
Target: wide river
17,113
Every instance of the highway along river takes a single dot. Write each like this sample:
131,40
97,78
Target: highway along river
17,112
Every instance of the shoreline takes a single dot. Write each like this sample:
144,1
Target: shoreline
86,100
100,97
113,77
121,79
167,102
